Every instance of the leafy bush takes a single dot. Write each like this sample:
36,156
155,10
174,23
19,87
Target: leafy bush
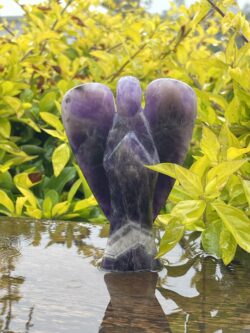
61,46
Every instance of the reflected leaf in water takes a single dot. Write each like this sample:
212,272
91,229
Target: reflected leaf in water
222,295
9,282
196,292
133,306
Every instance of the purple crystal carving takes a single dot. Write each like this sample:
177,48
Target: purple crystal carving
113,142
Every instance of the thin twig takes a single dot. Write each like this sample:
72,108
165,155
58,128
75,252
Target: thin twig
8,30
182,37
55,23
119,71
113,47
218,10
62,12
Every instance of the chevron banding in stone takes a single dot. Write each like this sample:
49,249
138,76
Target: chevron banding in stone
130,236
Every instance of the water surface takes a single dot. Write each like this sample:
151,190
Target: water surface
50,281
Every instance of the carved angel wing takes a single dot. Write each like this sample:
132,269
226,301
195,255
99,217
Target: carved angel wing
87,113
170,110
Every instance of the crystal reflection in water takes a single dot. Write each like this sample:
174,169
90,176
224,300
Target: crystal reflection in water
133,306
49,282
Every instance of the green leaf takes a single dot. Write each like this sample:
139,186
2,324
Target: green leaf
85,203
12,148
218,176
211,237
74,189
227,138
60,209
56,134
6,181
52,120
189,212
236,222
33,212
231,50
188,180
246,186
86,189
232,113
166,218
58,183
200,166
233,152
178,194
210,145
60,158
20,201
47,101
5,128
50,200
173,234
240,76
6,202
228,246
23,180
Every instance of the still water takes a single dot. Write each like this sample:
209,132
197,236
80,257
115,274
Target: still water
50,283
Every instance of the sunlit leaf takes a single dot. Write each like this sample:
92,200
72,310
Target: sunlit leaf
60,158
173,234
85,203
74,189
52,120
246,186
211,238
189,180
233,152
228,246
5,127
60,209
236,222
210,144
6,201
189,211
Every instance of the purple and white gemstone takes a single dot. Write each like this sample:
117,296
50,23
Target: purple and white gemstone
113,141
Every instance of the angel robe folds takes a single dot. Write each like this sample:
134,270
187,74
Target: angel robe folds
113,142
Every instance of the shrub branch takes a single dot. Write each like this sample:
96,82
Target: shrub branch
219,11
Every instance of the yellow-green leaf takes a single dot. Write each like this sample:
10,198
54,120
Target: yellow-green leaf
210,238
85,203
60,158
6,201
173,234
228,246
20,201
60,209
52,120
5,127
233,152
74,189
36,213
209,144
188,180
189,212
236,222
56,134
220,174
246,186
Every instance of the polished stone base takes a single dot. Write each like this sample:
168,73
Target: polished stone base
131,248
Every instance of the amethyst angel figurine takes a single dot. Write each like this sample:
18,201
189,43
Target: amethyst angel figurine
113,140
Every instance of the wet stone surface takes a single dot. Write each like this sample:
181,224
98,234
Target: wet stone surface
50,281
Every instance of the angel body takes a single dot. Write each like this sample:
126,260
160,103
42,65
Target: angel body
112,148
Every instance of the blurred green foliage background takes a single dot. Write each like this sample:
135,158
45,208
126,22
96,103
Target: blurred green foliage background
63,45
